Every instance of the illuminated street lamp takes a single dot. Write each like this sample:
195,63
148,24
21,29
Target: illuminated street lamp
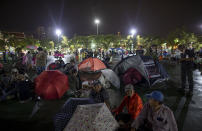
58,33
133,33
97,22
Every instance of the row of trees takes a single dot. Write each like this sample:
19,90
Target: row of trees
177,37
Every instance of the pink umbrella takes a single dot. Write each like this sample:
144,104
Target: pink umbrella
33,47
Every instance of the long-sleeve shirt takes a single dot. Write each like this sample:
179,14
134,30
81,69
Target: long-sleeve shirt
161,120
99,97
133,104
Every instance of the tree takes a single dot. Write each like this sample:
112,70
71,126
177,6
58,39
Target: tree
47,44
64,42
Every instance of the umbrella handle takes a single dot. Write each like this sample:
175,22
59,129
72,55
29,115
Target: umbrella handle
36,107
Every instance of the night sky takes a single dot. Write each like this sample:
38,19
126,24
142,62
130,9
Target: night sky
150,17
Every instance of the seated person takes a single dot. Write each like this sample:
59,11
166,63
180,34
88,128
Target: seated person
70,66
18,85
132,101
1,69
24,89
61,61
4,81
155,116
99,94
124,121
8,81
85,89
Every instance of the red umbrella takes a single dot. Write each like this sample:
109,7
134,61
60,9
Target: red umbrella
51,84
91,65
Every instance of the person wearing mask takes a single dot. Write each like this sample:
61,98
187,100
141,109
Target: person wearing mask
99,94
132,101
187,58
155,116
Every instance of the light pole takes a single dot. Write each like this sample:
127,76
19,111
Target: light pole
97,22
58,32
133,32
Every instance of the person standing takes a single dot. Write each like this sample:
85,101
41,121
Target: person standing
187,58
200,52
29,60
40,61
155,116
4,56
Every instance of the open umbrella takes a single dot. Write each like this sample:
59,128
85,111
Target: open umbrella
33,47
89,76
111,76
91,65
92,117
90,69
62,118
51,84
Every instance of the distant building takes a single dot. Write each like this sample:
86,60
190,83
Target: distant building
50,33
18,35
41,33
119,33
44,33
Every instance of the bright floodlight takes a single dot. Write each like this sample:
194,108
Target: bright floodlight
93,45
58,32
97,21
133,32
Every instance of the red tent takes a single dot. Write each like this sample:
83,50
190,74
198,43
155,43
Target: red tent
51,84
132,76
91,65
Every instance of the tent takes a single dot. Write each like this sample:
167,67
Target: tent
91,65
131,62
90,69
153,72
111,76
93,117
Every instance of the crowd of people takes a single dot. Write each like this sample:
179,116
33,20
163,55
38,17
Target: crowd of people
150,116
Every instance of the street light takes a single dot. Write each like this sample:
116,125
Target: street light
97,22
58,33
133,32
